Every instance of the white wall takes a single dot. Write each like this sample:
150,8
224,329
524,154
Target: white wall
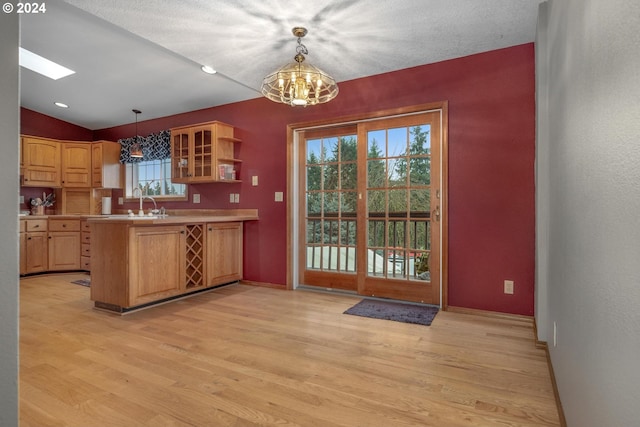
9,190
589,232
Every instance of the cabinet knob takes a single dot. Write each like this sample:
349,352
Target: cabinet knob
36,226
28,238
64,225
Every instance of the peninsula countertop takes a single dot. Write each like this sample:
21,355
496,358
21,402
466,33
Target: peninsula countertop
179,217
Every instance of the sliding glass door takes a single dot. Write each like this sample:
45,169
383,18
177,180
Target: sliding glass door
371,206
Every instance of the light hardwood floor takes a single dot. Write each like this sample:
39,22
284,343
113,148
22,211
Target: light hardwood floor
252,356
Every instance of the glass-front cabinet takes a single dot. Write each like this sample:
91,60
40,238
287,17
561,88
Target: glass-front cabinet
204,153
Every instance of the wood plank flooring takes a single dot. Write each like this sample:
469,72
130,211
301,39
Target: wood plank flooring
252,356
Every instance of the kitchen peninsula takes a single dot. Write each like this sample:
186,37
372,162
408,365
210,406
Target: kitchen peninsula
138,261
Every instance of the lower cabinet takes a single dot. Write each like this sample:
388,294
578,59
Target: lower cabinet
34,246
156,262
134,265
224,252
64,244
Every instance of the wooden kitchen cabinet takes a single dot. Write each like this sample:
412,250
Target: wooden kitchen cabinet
23,247
198,152
224,253
136,262
64,244
105,164
34,253
41,162
156,260
76,164
85,245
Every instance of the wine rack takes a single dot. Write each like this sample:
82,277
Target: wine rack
195,255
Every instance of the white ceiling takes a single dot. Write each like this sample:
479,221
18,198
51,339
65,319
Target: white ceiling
147,54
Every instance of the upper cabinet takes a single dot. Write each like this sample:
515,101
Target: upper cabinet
105,161
204,153
69,164
41,162
76,164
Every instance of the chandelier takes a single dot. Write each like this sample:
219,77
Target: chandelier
299,83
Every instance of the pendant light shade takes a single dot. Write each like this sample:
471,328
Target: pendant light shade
299,83
136,150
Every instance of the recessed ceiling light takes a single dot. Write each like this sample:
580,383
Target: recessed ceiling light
61,104
42,65
207,69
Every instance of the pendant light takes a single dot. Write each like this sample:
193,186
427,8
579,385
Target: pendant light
299,83
136,150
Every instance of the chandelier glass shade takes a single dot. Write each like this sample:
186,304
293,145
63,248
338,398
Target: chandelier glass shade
299,83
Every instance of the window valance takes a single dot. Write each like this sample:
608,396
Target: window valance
156,146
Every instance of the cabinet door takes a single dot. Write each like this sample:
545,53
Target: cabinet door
41,159
105,165
36,252
76,165
180,161
156,263
202,154
23,253
64,250
224,252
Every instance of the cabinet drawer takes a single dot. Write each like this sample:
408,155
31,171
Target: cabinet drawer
85,237
36,224
64,225
86,250
85,263
84,226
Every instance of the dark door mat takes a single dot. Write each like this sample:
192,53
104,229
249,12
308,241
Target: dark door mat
396,311
82,282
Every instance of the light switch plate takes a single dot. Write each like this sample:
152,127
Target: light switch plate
254,180
121,200
508,287
236,198
21,199
279,196
196,198
231,197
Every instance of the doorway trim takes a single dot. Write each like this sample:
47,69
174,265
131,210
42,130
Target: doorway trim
292,184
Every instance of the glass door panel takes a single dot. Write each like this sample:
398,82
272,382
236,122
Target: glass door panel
202,153
331,203
180,157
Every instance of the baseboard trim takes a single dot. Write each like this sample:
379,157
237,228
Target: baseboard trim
263,284
556,393
493,314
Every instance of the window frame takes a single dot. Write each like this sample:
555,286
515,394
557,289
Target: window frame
130,172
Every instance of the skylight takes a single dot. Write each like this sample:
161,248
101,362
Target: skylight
42,65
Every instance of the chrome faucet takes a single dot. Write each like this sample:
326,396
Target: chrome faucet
155,206
142,197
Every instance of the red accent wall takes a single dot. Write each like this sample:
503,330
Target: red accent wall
37,124
491,168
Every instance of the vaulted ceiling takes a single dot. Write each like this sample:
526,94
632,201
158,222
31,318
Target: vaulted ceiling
147,54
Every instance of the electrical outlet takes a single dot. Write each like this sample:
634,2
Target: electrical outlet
279,196
121,200
508,287
196,198
254,180
236,198
21,199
